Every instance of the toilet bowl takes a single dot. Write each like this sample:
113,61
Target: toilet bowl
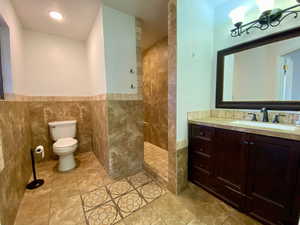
65,148
64,133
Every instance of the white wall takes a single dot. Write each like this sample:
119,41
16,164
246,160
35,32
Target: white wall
55,66
14,76
96,58
194,56
223,25
120,51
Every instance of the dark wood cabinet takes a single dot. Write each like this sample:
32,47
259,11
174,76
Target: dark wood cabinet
272,177
230,170
256,174
296,211
201,164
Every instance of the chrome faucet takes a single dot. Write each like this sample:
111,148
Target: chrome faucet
265,114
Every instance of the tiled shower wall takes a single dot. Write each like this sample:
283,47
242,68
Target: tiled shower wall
125,137
15,139
155,82
118,140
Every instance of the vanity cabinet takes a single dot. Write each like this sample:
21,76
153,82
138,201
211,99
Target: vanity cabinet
272,177
256,174
296,211
201,164
230,170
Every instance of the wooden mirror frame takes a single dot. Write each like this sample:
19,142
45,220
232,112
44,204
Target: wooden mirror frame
273,105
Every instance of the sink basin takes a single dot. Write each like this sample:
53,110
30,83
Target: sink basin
265,125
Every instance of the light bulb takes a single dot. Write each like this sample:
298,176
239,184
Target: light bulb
238,15
56,15
265,5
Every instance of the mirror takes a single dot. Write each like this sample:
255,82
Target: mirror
261,73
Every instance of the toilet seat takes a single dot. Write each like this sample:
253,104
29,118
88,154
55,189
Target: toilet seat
65,142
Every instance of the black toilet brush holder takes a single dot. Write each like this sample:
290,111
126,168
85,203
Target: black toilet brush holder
36,183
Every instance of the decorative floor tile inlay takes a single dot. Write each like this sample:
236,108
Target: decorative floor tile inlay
151,191
119,188
95,198
130,203
106,214
139,179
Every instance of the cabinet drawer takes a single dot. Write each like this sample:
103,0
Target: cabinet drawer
232,196
201,132
200,160
200,146
200,177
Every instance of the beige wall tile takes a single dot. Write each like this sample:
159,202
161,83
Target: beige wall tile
172,77
16,144
155,85
125,137
42,113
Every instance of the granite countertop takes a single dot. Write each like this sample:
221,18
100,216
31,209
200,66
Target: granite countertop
227,124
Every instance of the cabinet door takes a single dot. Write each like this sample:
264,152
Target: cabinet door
201,155
272,178
230,166
296,213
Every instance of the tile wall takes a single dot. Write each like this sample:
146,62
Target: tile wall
16,143
125,137
155,83
43,112
289,117
99,125
172,77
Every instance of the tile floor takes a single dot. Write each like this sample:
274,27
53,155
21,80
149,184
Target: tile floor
156,161
87,196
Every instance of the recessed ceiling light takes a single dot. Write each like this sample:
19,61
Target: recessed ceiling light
56,15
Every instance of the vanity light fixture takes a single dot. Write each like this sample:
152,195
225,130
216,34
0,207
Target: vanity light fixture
237,16
270,17
56,15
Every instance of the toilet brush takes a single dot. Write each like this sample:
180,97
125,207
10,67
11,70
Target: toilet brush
36,182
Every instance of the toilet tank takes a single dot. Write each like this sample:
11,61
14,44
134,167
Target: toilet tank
62,129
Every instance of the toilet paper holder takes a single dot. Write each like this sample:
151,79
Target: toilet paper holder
36,183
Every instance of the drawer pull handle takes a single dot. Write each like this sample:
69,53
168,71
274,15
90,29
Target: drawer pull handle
246,143
201,133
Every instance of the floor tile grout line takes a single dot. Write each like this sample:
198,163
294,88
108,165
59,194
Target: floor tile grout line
134,189
140,187
97,206
85,217
116,205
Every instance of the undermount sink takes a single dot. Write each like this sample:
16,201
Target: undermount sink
265,125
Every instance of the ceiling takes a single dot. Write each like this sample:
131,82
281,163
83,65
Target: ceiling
79,16
154,14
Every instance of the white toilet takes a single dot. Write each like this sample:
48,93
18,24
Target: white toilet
64,133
